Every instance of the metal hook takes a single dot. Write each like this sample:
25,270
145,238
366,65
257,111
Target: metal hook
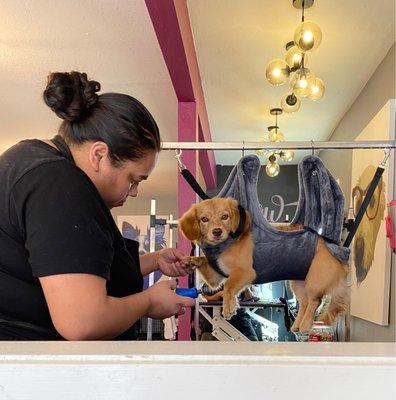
312,146
178,153
385,160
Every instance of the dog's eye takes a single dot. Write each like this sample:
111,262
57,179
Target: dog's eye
204,219
224,217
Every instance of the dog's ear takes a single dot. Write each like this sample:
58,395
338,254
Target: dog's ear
248,222
233,204
188,223
235,216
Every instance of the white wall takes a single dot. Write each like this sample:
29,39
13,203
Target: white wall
373,96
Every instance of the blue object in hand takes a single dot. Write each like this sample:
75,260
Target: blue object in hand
188,292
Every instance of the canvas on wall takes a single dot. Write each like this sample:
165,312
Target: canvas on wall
371,256
137,227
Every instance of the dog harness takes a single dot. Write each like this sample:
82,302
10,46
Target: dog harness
212,253
284,255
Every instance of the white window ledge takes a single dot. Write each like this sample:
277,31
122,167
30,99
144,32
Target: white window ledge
197,370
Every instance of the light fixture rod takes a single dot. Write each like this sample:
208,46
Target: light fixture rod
298,3
286,145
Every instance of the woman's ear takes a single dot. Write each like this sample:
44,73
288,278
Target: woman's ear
188,223
97,151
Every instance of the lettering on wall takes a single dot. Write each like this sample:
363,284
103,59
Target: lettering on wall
278,211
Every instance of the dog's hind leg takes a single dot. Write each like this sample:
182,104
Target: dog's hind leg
323,276
298,288
339,302
307,321
236,282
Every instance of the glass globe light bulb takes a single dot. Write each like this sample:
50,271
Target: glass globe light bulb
299,81
307,36
277,72
272,168
316,88
287,155
261,152
275,135
294,57
290,103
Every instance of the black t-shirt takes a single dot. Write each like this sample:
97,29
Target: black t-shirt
53,221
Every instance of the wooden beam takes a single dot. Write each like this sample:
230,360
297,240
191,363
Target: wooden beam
172,26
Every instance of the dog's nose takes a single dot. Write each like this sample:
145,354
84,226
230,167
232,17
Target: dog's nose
217,232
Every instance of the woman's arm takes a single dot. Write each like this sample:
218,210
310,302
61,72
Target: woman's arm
81,310
149,263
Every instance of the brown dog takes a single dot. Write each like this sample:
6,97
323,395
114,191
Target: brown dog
210,223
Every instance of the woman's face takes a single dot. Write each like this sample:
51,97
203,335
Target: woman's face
117,183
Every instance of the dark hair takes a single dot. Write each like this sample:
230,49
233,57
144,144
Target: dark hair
119,120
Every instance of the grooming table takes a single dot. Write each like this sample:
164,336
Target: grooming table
224,331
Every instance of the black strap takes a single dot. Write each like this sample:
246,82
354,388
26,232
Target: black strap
189,177
63,148
363,207
215,265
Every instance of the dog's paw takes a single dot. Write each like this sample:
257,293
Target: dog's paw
193,262
305,327
227,314
295,328
230,309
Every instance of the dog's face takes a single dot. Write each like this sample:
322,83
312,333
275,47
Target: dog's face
366,235
210,221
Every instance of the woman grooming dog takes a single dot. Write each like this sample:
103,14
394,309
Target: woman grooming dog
66,272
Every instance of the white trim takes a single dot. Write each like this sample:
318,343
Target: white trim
196,370
300,145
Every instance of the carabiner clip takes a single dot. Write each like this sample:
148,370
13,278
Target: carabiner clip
385,160
178,153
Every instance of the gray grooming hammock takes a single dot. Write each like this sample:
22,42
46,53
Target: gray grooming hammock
282,255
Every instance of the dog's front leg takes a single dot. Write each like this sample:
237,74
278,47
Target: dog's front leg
236,282
209,275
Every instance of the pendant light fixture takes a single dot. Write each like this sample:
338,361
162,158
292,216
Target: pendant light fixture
303,82
290,103
275,135
277,72
272,168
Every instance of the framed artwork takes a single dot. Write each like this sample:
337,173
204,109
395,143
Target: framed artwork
371,256
137,227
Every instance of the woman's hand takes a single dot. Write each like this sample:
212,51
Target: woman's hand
171,263
164,302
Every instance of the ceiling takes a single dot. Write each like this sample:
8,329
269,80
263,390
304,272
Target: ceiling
236,39
114,42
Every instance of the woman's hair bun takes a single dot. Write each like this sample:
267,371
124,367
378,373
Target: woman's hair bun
71,95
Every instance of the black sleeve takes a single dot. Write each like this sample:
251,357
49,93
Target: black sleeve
64,221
